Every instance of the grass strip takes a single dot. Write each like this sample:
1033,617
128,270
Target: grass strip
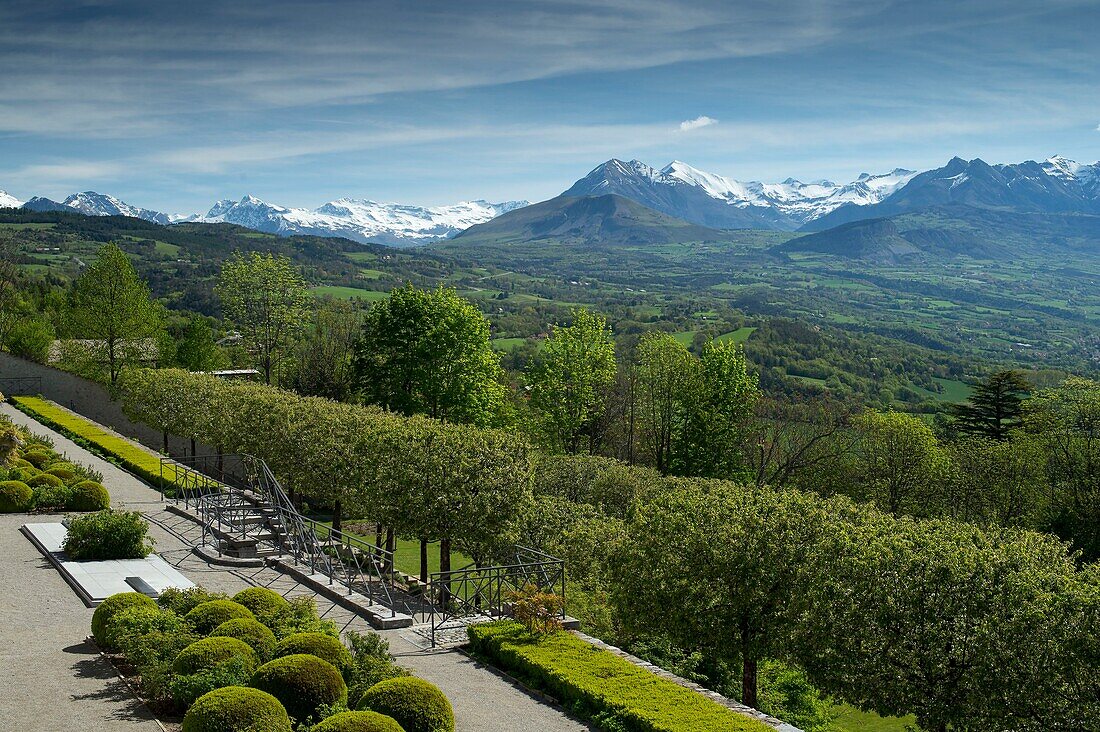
597,685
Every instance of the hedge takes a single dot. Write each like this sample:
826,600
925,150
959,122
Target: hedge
207,653
595,682
416,705
323,646
15,496
236,709
209,615
111,607
107,535
303,683
257,635
136,459
358,722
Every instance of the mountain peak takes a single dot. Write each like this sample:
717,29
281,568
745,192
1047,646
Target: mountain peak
9,201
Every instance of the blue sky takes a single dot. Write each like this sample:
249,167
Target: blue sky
175,105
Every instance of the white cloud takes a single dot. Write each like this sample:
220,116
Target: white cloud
694,124
1098,128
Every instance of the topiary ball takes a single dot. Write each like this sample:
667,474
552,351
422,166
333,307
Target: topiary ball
257,635
15,496
67,472
302,683
37,457
417,705
18,462
45,479
209,653
263,603
358,722
89,496
111,607
51,497
209,615
318,644
236,709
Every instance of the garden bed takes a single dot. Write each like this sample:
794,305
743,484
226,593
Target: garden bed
597,685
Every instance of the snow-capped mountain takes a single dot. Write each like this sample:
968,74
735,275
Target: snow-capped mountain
91,203
714,200
9,201
361,220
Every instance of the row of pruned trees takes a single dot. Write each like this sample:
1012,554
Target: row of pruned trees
460,485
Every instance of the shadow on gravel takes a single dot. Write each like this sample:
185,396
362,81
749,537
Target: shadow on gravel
125,705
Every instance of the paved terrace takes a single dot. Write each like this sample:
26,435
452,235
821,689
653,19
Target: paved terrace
51,680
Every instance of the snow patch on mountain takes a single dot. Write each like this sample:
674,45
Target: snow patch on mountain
9,201
91,203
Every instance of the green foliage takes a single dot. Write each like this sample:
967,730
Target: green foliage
263,602
135,623
39,457
416,705
45,480
107,534
899,464
210,652
182,602
995,407
300,616
186,688
318,644
537,610
236,709
786,693
427,352
30,338
112,606
595,683
264,296
609,485
253,632
358,722
303,683
68,473
15,496
570,382
88,495
212,613
372,662
150,639
197,349
52,498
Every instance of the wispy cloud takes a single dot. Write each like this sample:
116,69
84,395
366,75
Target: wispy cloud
694,124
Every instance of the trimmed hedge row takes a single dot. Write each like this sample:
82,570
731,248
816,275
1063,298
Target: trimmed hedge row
594,682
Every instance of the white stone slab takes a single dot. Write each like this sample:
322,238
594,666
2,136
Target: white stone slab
96,581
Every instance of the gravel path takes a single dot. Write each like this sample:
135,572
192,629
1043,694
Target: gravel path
483,700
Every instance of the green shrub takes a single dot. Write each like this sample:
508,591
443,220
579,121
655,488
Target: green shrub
358,722
597,684
15,496
300,616
23,474
37,457
51,498
108,535
141,620
20,463
89,496
111,607
372,662
151,639
317,644
417,705
253,632
209,615
182,602
186,688
236,709
303,683
263,603
45,479
67,472
208,653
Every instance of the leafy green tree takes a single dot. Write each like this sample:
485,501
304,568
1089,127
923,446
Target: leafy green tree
111,306
30,338
716,566
569,384
718,414
265,297
427,352
197,349
668,378
899,463
322,363
995,408
1001,483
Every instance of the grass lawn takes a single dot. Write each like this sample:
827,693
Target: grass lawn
349,293
407,553
851,719
507,344
736,336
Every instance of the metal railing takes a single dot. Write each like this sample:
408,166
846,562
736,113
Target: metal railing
20,385
480,594
238,498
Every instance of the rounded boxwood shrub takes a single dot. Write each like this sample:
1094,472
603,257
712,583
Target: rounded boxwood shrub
207,653
302,683
18,462
51,497
209,615
253,632
67,472
89,496
261,601
417,705
358,722
15,496
45,479
236,709
37,457
111,607
318,644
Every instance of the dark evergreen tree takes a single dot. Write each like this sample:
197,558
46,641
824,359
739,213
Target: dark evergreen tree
995,407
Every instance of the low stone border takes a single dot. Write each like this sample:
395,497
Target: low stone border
378,615
714,696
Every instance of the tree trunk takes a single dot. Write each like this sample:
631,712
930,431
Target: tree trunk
424,561
193,447
165,434
337,516
445,570
391,545
378,535
748,672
